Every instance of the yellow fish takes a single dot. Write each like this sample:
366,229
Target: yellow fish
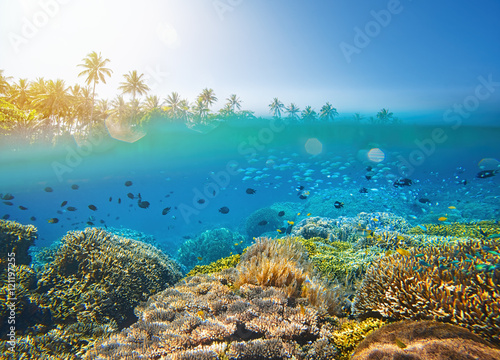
290,222
403,252
199,258
278,230
201,314
399,343
298,214
236,244
308,214
451,207
374,219
442,218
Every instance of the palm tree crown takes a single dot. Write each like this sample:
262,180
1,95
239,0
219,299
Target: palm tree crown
276,107
208,97
134,84
328,112
233,102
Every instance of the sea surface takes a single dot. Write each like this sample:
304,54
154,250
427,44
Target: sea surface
188,176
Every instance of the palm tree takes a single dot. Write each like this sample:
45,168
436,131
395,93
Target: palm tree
208,97
4,83
55,102
292,111
233,102
184,110
173,102
358,117
134,84
308,115
328,112
276,107
200,109
120,107
19,94
384,116
95,71
152,103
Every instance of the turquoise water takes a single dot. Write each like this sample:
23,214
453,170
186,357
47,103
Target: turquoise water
174,166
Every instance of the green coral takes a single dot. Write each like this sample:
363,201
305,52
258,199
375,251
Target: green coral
478,230
216,266
351,334
209,246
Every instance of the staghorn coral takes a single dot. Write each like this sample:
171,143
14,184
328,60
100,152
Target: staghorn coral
16,238
202,318
424,340
283,263
456,283
216,266
209,246
253,224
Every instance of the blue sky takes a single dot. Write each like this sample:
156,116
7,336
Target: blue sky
427,57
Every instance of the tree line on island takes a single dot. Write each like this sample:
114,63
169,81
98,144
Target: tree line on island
46,109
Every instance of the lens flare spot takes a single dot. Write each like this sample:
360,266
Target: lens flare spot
376,155
314,146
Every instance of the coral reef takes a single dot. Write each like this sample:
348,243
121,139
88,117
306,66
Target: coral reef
351,333
283,263
424,340
16,238
209,246
216,266
478,230
456,283
202,318
88,290
261,221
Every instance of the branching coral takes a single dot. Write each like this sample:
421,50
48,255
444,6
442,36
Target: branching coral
457,283
202,318
283,263
16,238
479,229
216,266
424,340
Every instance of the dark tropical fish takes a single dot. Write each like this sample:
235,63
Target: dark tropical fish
338,204
486,174
143,204
299,188
263,222
92,207
6,216
128,183
186,237
22,207
9,203
75,187
49,189
368,177
201,201
63,204
402,182
168,195
302,197
214,193
130,196
53,221
424,201
289,229
110,199
102,221
224,210
119,200
59,212
199,258
369,168
90,223
7,197
281,213
165,211
33,218
250,191
71,208
363,190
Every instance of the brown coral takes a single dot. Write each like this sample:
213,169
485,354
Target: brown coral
16,238
424,340
453,283
202,318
